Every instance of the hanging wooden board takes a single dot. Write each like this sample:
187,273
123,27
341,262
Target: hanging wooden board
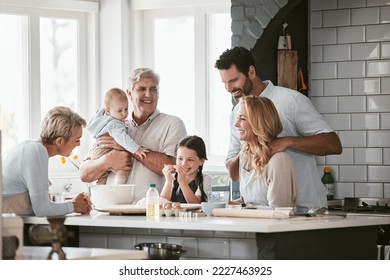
288,68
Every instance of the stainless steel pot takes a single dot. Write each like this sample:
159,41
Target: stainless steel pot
161,251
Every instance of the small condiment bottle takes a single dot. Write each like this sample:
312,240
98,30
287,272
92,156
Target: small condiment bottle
328,181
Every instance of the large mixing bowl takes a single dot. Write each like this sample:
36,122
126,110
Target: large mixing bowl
103,195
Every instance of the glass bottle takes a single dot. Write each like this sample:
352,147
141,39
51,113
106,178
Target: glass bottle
152,202
328,181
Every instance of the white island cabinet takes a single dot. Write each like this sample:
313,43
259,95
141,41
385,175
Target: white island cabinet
327,237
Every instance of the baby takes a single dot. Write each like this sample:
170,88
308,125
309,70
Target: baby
112,120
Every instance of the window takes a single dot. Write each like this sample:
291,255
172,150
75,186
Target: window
185,43
43,64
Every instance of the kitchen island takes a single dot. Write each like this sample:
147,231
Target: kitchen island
323,237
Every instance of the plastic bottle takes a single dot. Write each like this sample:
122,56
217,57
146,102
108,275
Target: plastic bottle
328,181
152,202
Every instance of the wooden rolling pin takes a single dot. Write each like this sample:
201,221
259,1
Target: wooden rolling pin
252,213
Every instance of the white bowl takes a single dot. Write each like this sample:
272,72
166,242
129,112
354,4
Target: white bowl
103,195
208,207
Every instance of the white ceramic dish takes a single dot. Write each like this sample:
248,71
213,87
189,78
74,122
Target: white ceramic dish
112,194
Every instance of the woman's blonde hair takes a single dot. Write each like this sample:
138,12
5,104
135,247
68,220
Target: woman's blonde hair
266,125
60,122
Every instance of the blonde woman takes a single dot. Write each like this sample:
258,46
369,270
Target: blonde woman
25,167
264,180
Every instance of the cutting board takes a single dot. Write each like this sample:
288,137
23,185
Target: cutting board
252,213
120,209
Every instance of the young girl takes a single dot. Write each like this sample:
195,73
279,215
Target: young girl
185,182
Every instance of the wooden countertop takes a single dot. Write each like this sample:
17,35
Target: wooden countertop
218,223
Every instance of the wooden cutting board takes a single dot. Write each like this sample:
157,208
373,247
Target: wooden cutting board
122,209
252,213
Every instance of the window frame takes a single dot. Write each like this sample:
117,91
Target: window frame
200,10
85,13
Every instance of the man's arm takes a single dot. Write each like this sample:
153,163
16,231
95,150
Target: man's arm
232,165
320,144
155,161
92,170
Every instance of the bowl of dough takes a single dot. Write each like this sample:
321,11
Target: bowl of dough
102,195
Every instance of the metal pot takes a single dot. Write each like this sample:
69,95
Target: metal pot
161,251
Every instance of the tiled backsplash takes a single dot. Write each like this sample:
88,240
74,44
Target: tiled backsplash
350,86
197,244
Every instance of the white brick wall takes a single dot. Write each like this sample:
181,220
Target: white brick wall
350,85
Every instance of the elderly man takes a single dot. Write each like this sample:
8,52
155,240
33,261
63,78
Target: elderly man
150,128
305,133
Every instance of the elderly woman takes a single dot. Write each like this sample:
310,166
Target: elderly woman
265,179
25,167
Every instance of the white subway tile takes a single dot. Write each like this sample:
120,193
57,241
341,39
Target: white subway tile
316,88
150,238
365,86
338,121
323,5
352,104
213,248
337,87
346,157
355,69
378,174
119,241
324,70
316,54
385,85
371,3
386,190
378,68
342,4
365,121
365,51
368,155
386,156
364,16
378,32
343,190
385,14
385,50
242,249
336,18
337,53
93,240
378,103
325,104
378,139
107,230
368,190
353,138
385,121
323,36
316,19
189,244
353,173
354,34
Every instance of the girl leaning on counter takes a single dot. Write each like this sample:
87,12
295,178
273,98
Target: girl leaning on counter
25,167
